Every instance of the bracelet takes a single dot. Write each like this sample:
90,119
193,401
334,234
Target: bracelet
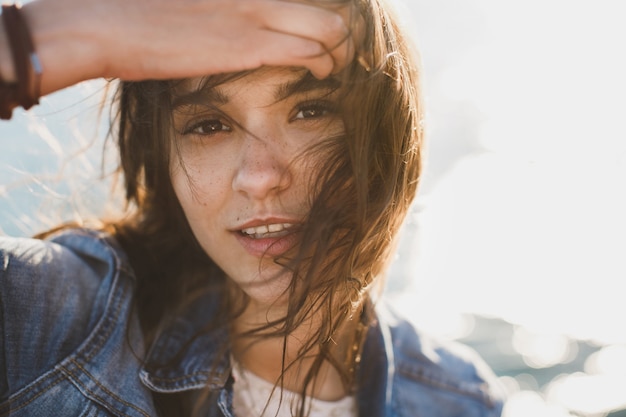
8,99
28,69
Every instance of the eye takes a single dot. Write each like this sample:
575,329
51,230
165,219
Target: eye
207,127
314,110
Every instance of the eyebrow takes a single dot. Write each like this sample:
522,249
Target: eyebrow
304,84
202,95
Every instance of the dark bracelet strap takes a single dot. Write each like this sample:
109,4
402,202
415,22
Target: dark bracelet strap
25,61
8,99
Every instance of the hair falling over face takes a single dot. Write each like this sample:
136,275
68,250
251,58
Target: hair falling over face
366,181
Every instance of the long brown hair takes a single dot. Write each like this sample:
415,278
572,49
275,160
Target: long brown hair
361,196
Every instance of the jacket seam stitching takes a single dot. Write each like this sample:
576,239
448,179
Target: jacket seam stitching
481,396
104,328
102,387
47,386
180,378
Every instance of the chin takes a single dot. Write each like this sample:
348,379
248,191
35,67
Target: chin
268,289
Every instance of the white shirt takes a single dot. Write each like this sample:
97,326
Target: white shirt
256,397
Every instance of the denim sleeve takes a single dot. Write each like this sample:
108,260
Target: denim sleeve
48,302
438,377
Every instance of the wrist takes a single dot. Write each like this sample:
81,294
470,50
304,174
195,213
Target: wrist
66,48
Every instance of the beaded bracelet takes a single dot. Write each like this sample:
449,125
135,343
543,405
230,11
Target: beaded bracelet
25,92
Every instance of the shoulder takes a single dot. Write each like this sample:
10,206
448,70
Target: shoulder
63,250
61,271
52,293
438,377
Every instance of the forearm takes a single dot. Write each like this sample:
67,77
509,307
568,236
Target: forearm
76,40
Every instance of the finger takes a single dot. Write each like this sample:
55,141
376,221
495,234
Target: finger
278,49
328,27
356,22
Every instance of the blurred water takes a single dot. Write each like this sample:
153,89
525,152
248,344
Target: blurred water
516,243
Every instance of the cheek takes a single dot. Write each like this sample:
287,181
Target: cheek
181,181
198,178
195,196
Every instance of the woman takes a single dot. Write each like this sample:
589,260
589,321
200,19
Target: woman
270,151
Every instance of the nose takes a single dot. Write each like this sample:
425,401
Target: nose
263,168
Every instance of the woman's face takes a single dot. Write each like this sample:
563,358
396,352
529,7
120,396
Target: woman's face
234,171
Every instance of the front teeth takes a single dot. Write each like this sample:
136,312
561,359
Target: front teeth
268,230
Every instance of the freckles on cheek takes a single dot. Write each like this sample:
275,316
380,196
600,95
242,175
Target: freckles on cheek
200,175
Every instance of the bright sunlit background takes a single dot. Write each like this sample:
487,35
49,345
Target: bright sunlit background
517,242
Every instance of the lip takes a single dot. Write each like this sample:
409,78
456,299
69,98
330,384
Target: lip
271,246
267,220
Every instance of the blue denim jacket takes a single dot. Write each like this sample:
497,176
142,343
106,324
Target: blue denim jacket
71,346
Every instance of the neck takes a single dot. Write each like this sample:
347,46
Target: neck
267,355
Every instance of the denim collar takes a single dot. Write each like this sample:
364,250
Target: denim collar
204,363
184,356
375,373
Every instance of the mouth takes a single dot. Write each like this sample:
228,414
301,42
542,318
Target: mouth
269,238
268,231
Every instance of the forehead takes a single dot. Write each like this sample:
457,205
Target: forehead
261,75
